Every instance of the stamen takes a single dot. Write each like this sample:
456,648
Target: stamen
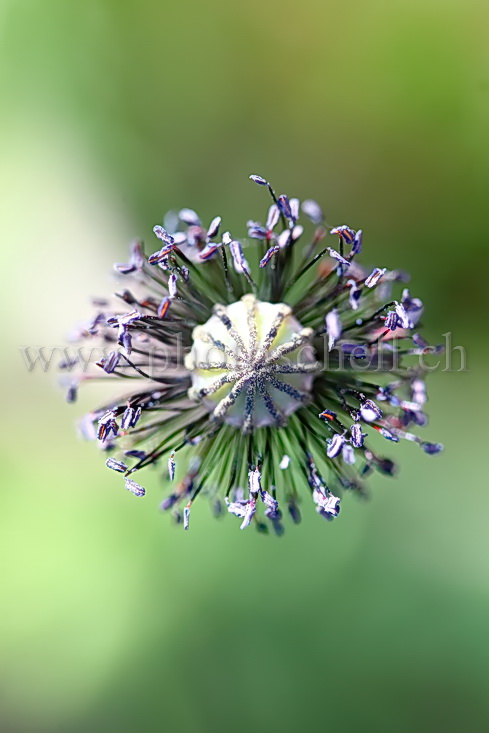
119,466
268,255
284,206
171,465
335,445
258,179
374,277
337,256
163,307
369,411
345,233
313,210
357,435
134,488
254,480
213,230
285,462
333,327
162,234
186,516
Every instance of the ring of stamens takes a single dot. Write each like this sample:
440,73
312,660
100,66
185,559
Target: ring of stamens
252,364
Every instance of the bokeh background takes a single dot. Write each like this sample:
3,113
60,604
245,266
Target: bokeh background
114,111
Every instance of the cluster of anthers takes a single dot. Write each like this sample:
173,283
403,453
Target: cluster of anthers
270,366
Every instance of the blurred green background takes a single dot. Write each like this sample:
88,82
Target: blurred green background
113,112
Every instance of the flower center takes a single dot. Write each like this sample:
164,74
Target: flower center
252,364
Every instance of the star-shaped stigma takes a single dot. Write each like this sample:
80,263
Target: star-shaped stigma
252,364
